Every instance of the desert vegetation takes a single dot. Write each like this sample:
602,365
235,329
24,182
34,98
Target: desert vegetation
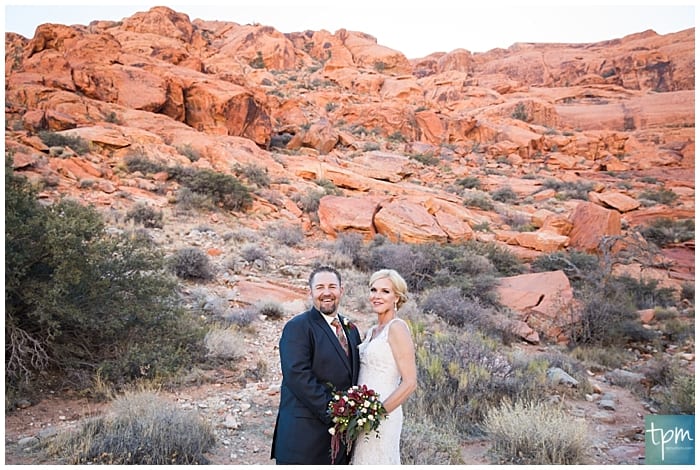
80,296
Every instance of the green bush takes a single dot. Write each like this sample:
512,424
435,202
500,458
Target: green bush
478,200
520,113
469,182
664,231
569,189
141,429
144,165
461,376
505,194
643,293
661,196
578,266
258,62
472,266
254,174
77,296
606,317
225,190
75,142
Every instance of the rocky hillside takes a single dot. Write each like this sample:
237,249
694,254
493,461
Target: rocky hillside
450,147
537,148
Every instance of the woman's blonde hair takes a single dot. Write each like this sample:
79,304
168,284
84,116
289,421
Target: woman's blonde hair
400,287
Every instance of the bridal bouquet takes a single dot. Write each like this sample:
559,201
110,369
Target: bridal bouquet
355,411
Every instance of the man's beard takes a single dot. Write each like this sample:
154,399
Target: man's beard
328,309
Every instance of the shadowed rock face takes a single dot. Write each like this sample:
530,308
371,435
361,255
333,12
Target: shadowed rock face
568,140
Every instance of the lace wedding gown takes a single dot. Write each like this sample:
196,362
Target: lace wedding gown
378,370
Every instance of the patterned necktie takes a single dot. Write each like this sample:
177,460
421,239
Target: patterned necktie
341,336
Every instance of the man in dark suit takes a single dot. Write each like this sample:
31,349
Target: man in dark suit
312,357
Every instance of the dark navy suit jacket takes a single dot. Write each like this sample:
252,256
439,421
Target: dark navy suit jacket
311,358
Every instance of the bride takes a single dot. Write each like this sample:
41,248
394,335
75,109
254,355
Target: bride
388,366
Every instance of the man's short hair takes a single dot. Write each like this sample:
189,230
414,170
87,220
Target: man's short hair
323,269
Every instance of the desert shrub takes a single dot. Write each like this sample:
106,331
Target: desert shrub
427,159
459,375
258,62
224,344
520,113
225,190
661,196
241,317
518,221
664,231
145,215
352,246
469,182
254,174
569,189
287,234
607,316
503,260
600,359
55,139
429,444
191,153
688,292
565,362
140,429
479,200
449,304
410,261
470,266
679,397
191,263
144,165
271,310
578,266
644,293
505,194
253,253
112,117
308,201
532,433
76,296
186,199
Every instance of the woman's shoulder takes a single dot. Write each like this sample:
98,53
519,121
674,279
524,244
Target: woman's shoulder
398,324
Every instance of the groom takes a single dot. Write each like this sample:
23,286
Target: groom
311,357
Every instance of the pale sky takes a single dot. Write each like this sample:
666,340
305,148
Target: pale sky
415,30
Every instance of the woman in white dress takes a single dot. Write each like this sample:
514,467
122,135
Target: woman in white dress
388,366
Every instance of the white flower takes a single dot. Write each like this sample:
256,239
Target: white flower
360,421
366,404
331,431
370,417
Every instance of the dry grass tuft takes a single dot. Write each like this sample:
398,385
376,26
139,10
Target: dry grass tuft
534,433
